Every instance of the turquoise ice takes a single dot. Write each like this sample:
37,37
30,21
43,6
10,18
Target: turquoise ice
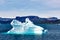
25,28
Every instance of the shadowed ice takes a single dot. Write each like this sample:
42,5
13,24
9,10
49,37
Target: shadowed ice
25,28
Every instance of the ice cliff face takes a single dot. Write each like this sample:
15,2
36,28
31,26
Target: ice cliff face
25,28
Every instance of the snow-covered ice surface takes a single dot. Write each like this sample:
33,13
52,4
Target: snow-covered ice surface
25,28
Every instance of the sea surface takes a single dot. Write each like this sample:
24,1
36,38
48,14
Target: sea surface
52,35
53,32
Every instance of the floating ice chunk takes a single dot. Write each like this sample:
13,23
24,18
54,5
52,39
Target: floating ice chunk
25,28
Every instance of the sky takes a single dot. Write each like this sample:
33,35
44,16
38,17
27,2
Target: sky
41,8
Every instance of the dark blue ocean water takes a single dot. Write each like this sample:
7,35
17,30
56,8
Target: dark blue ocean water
53,33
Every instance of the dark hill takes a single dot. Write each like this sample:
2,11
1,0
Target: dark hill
5,20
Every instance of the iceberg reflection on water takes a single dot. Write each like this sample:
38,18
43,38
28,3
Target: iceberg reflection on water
26,28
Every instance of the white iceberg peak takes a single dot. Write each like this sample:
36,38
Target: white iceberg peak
23,28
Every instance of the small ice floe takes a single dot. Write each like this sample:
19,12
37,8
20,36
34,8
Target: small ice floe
25,28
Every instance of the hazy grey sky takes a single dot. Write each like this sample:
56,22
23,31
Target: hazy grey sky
42,8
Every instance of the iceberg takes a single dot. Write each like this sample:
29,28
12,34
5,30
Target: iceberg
26,27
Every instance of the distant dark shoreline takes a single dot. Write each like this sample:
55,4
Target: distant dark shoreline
34,19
